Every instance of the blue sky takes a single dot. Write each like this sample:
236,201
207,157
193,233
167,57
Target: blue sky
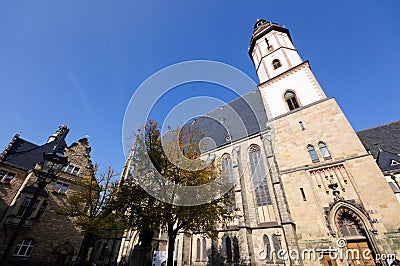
79,62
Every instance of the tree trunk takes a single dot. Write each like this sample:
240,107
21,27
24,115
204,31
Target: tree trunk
171,245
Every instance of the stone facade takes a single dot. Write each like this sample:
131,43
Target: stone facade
303,183
55,240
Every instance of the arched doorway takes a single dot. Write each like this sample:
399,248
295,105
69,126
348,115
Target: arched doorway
352,228
63,251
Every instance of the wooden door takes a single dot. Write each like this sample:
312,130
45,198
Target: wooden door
357,251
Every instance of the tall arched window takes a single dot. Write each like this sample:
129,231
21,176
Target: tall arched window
276,63
236,253
204,249
291,100
104,251
277,247
258,176
24,248
267,248
226,165
227,170
228,249
198,254
177,249
313,153
324,150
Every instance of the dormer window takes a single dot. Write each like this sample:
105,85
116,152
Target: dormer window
70,169
291,100
60,188
276,64
6,177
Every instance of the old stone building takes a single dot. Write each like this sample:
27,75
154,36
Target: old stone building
384,145
303,179
47,237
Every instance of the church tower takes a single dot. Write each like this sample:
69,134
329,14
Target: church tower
326,185
281,71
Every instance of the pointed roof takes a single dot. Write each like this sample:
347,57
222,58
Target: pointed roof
25,155
243,117
261,28
388,161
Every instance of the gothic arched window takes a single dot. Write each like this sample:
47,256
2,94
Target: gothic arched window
204,249
104,251
291,100
324,150
227,170
267,247
313,153
236,253
226,165
276,63
198,255
258,176
228,249
277,247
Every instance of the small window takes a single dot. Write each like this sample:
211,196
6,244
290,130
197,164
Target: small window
276,64
302,125
324,150
303,194
313,153
6,177
24,248
291,100
70,169
60,188
75,171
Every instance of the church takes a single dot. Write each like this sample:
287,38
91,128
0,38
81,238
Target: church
307,190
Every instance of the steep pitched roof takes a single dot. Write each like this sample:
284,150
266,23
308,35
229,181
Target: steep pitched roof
388,161
238,119
387,136
25,155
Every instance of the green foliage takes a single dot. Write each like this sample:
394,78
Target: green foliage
142,211
89,207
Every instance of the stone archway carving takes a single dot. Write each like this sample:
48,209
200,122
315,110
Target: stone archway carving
355,213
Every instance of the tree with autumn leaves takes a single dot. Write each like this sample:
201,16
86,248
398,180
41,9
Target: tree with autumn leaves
153,195
158,193
90,209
